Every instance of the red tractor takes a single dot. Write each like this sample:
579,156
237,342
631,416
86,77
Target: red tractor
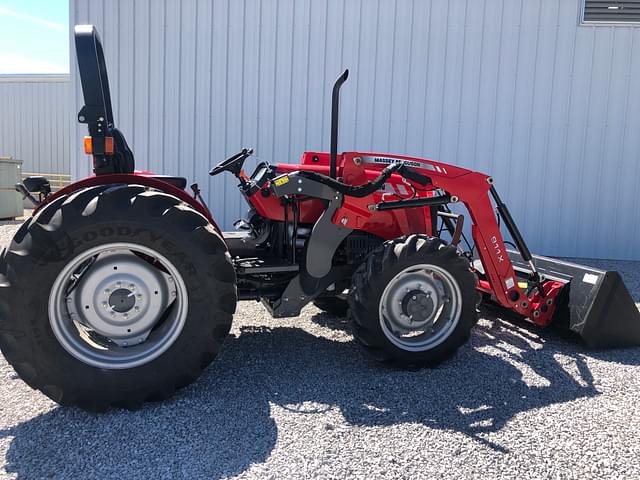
121,288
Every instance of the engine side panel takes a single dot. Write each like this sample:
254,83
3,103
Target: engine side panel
357,211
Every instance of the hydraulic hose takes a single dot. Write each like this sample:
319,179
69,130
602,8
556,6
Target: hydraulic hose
368,188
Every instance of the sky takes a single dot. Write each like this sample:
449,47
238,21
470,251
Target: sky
34,36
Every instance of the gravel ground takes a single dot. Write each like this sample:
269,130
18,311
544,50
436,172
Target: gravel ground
295,398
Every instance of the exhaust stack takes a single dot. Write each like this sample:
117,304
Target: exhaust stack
335,111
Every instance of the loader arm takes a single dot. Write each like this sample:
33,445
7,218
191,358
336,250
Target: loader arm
475,190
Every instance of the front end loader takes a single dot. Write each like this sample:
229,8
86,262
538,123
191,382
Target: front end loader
136,285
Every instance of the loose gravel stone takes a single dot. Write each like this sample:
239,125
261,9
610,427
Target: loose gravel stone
296,398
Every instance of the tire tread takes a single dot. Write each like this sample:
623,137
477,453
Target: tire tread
34,246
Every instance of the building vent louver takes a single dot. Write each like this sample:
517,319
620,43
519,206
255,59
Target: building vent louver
612,12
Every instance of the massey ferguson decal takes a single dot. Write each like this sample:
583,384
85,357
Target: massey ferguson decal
389,161
409,163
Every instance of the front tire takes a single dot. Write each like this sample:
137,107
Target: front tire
413,301
113,296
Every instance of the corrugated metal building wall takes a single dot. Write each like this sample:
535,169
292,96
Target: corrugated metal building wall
36,123
516,88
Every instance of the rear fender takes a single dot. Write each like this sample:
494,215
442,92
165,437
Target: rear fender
132,179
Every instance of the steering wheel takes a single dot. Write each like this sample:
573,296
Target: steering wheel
232,164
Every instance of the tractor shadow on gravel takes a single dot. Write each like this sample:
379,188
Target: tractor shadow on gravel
222,425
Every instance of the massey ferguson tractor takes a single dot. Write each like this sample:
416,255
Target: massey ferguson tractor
121,287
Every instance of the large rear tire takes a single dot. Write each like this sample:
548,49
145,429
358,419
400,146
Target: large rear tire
413,301
113,296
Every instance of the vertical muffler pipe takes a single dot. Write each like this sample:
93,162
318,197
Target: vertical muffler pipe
335,109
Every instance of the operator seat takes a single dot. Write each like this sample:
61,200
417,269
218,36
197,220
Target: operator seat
124,161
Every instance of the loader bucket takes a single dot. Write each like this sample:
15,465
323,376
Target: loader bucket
595,304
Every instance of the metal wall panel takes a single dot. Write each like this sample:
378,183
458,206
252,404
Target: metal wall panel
516,88
35,123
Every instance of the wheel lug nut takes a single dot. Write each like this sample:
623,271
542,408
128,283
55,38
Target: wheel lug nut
137,309
107,291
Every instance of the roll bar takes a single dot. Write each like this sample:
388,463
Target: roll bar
96,112
105,143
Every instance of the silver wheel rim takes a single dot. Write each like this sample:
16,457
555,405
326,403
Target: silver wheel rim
420,307
118,306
